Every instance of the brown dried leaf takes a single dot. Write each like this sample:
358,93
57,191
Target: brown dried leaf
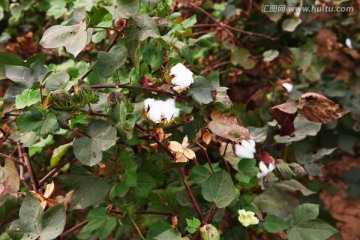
227,127
317,108
206,137
9,178
285,115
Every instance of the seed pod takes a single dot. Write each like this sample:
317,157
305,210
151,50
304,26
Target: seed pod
120,23
61,100
209,232
115,97
84,94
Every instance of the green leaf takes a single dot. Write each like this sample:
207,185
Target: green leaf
192,225
101,221
199,173
303,128
98,17
108,62
74,37
24,78
152,57
57,80
170,234
241,57
33,223
304,212
8,59
85,196
200,90
274,224
124,8
310,230
57,9
164,200
133,45
38,121
89,150
289,25
144,184
121,189
219,189
148,26
27,98
58,153
247,170
270,55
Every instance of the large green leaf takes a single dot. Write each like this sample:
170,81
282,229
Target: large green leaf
304,212
57,80
101,221
27,98
44,123
33,223
124,8
310,230
133,45
8,59
24,78
109,62
274,224
148,26
201,89
170,234
247,170
89,150
89,190
219,189
241,57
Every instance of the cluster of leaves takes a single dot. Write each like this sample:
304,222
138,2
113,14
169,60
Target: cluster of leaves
75,115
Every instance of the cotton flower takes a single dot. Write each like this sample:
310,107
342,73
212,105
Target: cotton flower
181,151
287,86
182,77
246,149
159,111
247,218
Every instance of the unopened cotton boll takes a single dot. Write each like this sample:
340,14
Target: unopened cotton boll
159,111
288,86
246,149
265,169
182,77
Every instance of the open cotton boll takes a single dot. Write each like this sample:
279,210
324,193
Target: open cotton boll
159,111
182,77
246,149
288,86
264,169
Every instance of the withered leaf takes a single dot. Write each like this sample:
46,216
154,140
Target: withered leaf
9,178
285,115
227,127
317,108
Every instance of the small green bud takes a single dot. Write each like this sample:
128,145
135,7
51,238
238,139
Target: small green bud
209,232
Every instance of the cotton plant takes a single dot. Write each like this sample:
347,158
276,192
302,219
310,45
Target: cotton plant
247,218
182,77
161,112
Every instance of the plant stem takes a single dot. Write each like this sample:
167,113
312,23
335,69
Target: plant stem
13,159
55,170
73,229
137,227
33,180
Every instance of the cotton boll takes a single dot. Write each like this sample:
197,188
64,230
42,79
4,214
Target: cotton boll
249,145
182,77
159,111
348,43
242,152
265,169
288,86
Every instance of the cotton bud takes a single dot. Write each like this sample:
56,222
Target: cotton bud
209,232
247,218
246,149
84,94
61,100
115,97
298,170
120,23
158,111
182,77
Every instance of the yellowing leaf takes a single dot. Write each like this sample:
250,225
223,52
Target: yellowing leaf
9,178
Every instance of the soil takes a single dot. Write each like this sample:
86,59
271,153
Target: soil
343,208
